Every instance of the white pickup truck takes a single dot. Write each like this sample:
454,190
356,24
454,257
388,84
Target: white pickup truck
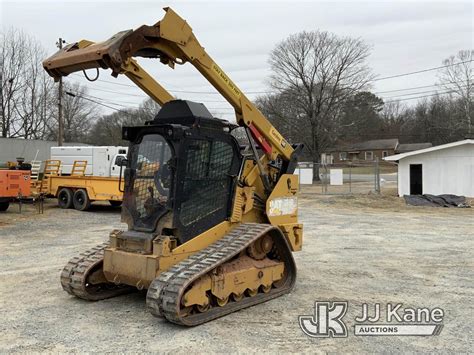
101,161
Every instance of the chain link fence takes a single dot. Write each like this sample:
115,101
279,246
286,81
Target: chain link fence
361,177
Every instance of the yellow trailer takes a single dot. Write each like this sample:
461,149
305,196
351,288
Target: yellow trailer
78,190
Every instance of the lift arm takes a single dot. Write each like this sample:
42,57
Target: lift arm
173,42
86,54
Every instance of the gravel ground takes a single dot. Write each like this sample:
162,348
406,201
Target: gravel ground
360,249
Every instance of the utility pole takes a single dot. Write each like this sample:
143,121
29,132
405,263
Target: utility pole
59,44
4,119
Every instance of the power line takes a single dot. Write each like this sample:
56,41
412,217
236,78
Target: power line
138,95
416,87
109,102
269,92
447,91
116,92
421,71
134,103
113,102
219,109
180,91
59,44
397,90
263,92
444,91
96,102
419,97
223,100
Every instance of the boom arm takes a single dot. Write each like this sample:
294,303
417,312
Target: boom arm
173,42
85,54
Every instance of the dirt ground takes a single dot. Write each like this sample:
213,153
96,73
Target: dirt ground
361,249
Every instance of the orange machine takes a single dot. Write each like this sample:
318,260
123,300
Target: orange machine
13,184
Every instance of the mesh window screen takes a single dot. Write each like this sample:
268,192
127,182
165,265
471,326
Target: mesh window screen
207,181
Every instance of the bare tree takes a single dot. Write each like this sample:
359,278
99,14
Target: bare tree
33,108
26,91
394,116
433,120
79,114
12,58
108,128
281,110
148,109
319,71
458,77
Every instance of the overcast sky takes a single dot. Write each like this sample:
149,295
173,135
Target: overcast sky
405,36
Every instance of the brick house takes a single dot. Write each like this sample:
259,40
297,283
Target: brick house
368,151
362,151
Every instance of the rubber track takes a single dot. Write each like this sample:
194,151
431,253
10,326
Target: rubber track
165,292
74,276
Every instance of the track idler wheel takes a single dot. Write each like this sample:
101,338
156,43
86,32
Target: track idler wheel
260,248
83,277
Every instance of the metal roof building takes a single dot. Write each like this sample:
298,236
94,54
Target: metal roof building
12,148
409,147
443,169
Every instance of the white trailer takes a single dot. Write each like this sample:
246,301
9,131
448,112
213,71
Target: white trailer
101,161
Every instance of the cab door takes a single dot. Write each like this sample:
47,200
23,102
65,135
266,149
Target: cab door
207,175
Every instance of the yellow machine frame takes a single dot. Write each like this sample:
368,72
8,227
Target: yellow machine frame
174,40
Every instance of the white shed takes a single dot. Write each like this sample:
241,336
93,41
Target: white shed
444,169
